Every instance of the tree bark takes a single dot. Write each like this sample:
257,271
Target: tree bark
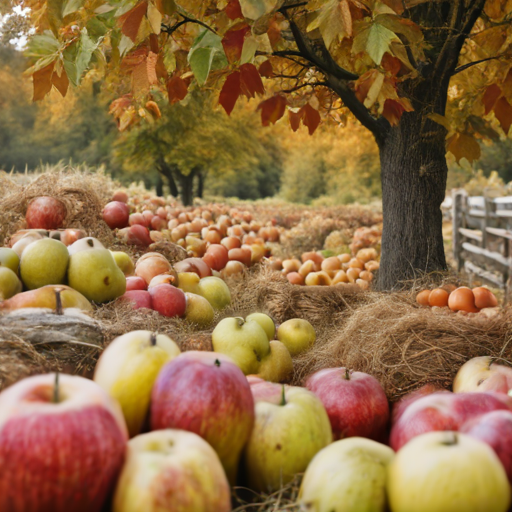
187,186
166,171
159,186
413,174
200,183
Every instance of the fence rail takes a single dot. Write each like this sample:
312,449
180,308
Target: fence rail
482,232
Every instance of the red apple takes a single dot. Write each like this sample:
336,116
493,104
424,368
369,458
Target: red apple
168,300
443,411
120,195
196,265
45,212
242,255
495,429
61,447
157,223
139,299
355,402
206,393
135,283
138,219
216,257
116,214
138,235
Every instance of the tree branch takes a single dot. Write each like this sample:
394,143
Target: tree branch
171,29
293,89
471,64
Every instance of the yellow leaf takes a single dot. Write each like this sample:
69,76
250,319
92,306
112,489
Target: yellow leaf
374,91
465,146
439,119
155,18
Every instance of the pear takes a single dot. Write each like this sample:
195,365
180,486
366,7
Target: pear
9,283
44,262
199,311
83,244
46,297
266,322
94,274
124,262
277,366
9,259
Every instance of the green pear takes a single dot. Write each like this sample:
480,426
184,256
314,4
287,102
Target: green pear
10,285
189,282
215,291
277,366
9,259
95,275
44,262
199,311
266,322
124,262
297,334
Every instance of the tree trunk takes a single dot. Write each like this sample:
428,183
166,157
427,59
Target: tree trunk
413,174
165,170
187,187
159,186
200,184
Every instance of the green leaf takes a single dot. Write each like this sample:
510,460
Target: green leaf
70,6
78,56
249,48
375,40
255,9
42,45
125,45
334,21
206,54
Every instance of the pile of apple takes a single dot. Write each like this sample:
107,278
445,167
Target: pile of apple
458,299
198,425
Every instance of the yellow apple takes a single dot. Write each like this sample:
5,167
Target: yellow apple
171,470
277,366
128,368
189,282
199,311
297,334
347,476
215,291
124,262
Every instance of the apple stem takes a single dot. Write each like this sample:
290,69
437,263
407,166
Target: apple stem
347,374
283,397
90,243
241,321
217,362
58,302
152,339
56,389
452,441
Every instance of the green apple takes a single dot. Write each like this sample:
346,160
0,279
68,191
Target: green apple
128,368
9,259
277,366
347,476
297,334
171,470
266,322
44,262
215,291
447,472
290,429
245,342
94,274
124,262
189,282
10,285
199,311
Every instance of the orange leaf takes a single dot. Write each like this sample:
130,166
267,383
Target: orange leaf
233,42
310,117
503,112
153,43
61,82
154,109
118,106
364,84
393,110
272,109
230,92
176,89
507,86
391,64
144,74
42,80
464,146
233,10
494,8
294,118
266,70
396,5
250,81
274,33
491,96
130,21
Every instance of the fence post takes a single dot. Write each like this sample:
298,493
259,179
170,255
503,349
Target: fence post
460,198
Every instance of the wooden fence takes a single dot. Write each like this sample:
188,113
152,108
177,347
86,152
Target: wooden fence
481,238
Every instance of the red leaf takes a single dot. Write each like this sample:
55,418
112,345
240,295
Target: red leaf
233,10
507,86
230,92
503,112
250,81
310,117
61,82
491,96
176,89
153,43
294,118
42,82
274,33
233,43
130,21
391,64
393,110
272,109
266,70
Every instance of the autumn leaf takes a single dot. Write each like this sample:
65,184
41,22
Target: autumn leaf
391,64
507,86
42,81
206,54
374,40
491,96
233,10
503,113
294,118
61,82
266,70
250,81
465,146
77,56
130,21
177,89
154,18
310,117
144,75
256,9
154,109
119,105
334,21
233,43
272,109
230,92
393,110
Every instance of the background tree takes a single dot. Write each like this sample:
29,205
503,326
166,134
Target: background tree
411,71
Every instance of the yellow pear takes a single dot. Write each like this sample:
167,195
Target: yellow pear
9,259
9,283
199,311
46,297
124,262
276,366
